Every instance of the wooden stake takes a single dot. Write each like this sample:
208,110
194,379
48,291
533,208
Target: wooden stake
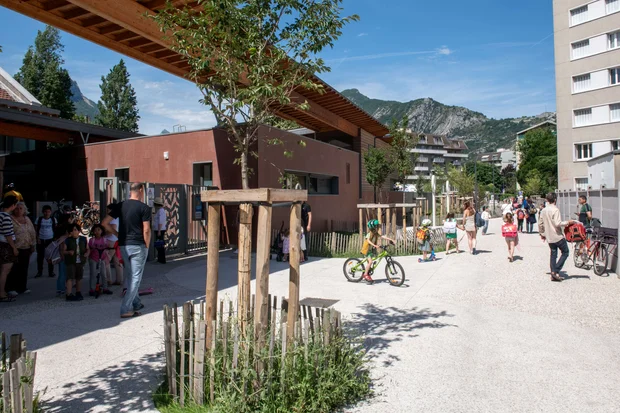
182,365
361,227
244,265
16,348
405,227
263,253
294,256
213,264
393,222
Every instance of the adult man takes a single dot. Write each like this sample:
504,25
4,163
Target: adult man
585,211
306,223
134,236
550,228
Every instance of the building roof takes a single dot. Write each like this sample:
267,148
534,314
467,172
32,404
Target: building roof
14,95
121,25
547,122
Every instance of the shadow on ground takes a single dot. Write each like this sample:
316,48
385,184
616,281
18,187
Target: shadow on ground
123,387
382,326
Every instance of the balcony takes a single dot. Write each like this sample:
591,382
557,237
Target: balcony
430,151
414,177
421,169
438,160
422,159
455,155
456,163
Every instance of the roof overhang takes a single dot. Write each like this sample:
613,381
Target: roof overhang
122,26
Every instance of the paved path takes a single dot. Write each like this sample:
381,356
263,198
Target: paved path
466,334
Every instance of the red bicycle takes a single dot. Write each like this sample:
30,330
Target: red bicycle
595,250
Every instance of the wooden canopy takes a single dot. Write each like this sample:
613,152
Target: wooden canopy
122,26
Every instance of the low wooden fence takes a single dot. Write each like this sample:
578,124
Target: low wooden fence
18,368
194,369
335,244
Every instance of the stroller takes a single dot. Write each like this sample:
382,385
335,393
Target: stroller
277,247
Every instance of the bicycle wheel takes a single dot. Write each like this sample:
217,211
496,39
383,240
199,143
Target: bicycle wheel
600,260
87,225
394,273
353,269
578,255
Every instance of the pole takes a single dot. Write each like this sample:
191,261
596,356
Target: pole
213,262
476,183
434,201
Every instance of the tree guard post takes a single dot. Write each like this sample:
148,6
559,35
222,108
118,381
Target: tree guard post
263,254
244,265
213,263
294,256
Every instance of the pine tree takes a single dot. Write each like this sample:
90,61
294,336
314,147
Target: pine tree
42,73
118,105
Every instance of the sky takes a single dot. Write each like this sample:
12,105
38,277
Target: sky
491,56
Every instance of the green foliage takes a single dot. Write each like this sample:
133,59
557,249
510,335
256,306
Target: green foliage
328,377
118,107
535,184
485,173
460,180
278,122
400,157
248,57
539,151
42,73
378,167
509,179
80,118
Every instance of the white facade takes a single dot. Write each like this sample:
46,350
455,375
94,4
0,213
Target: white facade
597,115
602,171
592,11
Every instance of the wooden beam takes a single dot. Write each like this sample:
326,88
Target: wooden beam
91,21
294,258
54,4
94,36
126,35
330,118
20,130
73,13
263,255
151,48
255,195
112,28
244,266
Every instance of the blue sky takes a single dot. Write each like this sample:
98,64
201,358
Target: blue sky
492,56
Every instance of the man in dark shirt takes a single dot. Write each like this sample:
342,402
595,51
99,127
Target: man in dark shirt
134,236
585,211
306,224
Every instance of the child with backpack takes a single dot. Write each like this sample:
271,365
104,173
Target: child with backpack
511,235
520,219
45,228
98,258
423,236
449,228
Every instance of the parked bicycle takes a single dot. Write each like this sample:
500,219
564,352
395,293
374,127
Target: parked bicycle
61,207
87,216
354,268
595,250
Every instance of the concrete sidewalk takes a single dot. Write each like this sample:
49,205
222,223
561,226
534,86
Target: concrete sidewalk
464,334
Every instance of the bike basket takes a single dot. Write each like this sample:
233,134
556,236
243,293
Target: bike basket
605,235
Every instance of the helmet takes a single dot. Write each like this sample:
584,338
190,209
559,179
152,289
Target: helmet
373,223
426,222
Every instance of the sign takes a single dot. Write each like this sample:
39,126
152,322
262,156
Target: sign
198,208
150,196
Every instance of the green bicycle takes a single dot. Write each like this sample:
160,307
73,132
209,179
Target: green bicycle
354,268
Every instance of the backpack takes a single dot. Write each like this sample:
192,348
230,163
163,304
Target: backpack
575,233
449,227
52,252
520,214
509,230
422,235
532,211
478,220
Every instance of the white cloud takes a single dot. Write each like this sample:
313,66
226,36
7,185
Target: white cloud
362,34
444,51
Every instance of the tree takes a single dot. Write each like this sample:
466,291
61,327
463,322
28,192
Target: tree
248,57
377,168
118,107
401,159
42,73
539,151
460,180
535,184
509,179
486,173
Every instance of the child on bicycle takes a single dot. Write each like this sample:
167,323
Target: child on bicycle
371,244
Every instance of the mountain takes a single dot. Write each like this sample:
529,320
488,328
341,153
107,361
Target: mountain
481,133
83,105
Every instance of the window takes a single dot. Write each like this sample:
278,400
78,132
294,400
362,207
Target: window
612,6
614,76
614,40
581,83
579,15
203,174
614,112
615,145
583,117
581,49
323,185
581,184
583,151
122,174
438,141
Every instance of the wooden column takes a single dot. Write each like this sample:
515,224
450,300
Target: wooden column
361,228
293,284
263,253
213,264
393,222
244,265
380,216
388,223
405,227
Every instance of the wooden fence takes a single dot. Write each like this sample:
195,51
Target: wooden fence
18,368
334,244
194,370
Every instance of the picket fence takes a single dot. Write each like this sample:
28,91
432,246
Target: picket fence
194,366
18,368
335,244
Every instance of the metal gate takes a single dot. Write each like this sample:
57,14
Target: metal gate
175,205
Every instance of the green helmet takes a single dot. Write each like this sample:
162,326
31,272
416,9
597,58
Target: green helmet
373,223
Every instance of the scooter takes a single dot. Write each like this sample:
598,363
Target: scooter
429,259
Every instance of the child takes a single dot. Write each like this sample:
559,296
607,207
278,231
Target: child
449,227
98,258
286,242
486,216
75,251
45,227
424,240
60,235
510,234
371,243
520,219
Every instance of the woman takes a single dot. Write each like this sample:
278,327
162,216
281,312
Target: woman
159,226
25,241
8,251
113,253
530,215
469,226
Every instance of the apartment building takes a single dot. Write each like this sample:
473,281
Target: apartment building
500,159
436,150
587,63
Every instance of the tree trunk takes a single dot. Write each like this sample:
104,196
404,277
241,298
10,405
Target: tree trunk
245,178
